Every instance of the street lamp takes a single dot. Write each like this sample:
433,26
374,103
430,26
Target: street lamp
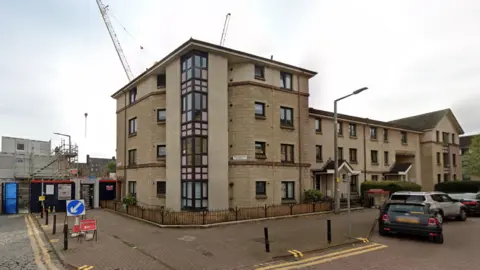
335,147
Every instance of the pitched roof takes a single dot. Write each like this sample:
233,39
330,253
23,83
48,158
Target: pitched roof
465,141
400,167
198,44
422,121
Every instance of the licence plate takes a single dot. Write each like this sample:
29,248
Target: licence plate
408,220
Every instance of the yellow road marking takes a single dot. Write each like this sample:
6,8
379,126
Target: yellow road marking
298,252
33,244
85,267
41,245
293,253
365,240
53,240
333,254
302,264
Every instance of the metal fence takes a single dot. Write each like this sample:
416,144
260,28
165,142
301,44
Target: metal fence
166,217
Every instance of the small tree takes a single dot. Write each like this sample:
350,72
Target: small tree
472,158
111,167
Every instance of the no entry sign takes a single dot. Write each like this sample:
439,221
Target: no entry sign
88,225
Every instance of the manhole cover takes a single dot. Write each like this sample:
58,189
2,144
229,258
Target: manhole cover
187,238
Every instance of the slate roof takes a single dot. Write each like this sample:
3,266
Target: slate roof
330,165
399,167
422,121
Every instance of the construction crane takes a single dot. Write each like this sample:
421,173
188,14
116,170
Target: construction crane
225,29
116,42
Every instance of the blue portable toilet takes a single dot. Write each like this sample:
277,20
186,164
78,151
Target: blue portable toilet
10,202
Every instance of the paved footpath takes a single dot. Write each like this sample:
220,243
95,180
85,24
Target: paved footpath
23,246
125,243
459,251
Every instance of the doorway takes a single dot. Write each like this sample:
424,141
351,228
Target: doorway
10,203
86,194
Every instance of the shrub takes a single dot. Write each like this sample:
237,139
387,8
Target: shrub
129,200
458,187
391,186
313,195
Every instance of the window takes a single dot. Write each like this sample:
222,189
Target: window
445,138
453,138
286,116
161,188
352,130
446,177
318,153
194,194
132,188
374,156
340,153
20,146
408,198
446,161
259,72
287,153
454,160
161,81
439,178
438,158
385,158
132,157
318,125
340,128
437,133
385,135
454,177
404,137
194,106
353,155
132,95
354,183
161,115
260,149
288,190
132,126
260,109
286,80
260,188
161,150
373,133
374,177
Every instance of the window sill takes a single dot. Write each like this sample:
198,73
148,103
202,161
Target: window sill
161,87
286,89
287,162
161,158
132,134
161,122
260,117
287,127
385,141
289,201
319,160
374,139
340,135
259,78
375,163
318,132
353,137
161,196
404,143
260,156
353,162
260,197
386,164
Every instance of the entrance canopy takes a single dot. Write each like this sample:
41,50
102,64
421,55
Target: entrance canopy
329,168
399,169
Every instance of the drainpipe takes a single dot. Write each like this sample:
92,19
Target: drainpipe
365,151
272,113
125,150
299,140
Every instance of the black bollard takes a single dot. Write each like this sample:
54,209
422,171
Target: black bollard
267,242
41,210
46,217
65,236
54,224
329,231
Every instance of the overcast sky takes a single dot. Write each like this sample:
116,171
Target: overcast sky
57,60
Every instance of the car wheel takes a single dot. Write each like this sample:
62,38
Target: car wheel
439,217
382,232
438,239
463,215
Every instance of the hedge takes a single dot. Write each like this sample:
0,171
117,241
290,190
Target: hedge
392,186
458,186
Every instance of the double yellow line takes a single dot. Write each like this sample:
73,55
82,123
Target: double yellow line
42,258
325,258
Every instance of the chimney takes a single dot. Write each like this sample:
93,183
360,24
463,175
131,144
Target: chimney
88,159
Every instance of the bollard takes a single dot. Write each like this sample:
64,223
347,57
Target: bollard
46,217
65,236
267,242
54,224
329,231
41,210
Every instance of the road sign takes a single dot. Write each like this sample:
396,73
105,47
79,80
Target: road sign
88,225
75,208
41,198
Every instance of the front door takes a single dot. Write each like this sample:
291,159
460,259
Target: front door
318,182
86,194
10,198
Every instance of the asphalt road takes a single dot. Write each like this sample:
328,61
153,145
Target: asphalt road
22,245
459,251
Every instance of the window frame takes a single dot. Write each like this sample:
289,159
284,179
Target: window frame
132,130
373,133
374,157
318,125
160,188
340,128
454,160
374,177
132,157
283,80
262,104
134,185
159,146
340,153
386,158
352,130
262,148
284,149
132,96
285,122
439,162
260,68
404,137
286,185
318,153
158,115
263,190
355,151
385,135
22,148
160,81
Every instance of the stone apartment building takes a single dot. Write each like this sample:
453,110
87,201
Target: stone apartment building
208,127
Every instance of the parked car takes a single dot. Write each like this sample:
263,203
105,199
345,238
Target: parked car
415,218
470,200
447,207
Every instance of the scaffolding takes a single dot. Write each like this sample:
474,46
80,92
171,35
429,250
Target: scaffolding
65,158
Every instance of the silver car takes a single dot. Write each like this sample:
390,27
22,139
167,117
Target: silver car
445,206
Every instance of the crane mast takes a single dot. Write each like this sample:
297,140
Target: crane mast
116,42
225,29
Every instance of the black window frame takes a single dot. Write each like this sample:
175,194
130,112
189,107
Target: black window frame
260,188
262,105
134,121
385,158
318,153
284,149
158,115
283,80
318,128
161,188
354,183
355,151
404,137
21,148
261,74
132,157
132,96
374,156
286,185
352,130
161,81
160,146
286,122
373,133
262,148
203,199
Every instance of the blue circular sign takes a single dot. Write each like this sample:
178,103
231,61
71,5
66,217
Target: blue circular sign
75,208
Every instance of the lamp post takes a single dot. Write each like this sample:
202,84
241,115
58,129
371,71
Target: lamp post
335,147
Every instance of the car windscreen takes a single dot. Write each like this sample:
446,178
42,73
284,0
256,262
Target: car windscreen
407,197
463,196
405,208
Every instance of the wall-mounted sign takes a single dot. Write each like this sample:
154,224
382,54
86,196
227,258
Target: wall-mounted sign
64,191
109,187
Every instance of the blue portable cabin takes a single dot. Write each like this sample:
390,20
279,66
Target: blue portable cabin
9,198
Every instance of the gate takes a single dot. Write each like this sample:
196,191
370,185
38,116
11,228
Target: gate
10,198
86,193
